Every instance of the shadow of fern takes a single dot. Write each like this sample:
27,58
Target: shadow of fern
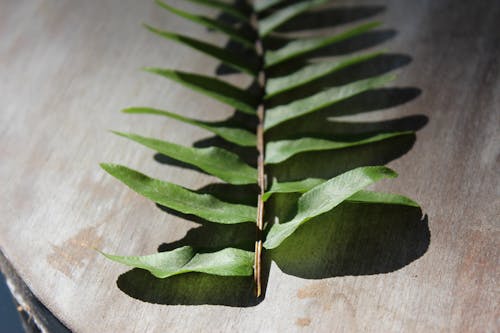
328,164
355,239
245,153
331,17
329,128
188,289
355,44
213,237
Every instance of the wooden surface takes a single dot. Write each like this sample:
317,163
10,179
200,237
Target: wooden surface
68,67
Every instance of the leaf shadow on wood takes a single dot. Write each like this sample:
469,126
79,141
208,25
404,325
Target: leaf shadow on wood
164,159
247,154
328,164
223,69
325,127
209,237
355,239
188,289
330,17
355,44
231,45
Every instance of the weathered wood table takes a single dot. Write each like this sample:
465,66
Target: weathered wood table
68,67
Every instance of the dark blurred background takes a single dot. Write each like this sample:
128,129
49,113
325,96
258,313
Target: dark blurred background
10,321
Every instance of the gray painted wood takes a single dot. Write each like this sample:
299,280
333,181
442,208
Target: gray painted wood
68,67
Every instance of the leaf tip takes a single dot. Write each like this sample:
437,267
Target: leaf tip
107,166
153,70
391,77
413,204
128,110
118,133
148,27
388,172
374,24
97,250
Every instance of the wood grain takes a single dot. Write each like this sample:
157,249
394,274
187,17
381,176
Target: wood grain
68,67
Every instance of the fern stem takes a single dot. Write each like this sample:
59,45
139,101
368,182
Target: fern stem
259,47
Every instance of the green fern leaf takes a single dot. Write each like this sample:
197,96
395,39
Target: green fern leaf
261,5
278,18
212,87
215,161
312,72
228,58
300,47
368,197
371,197
180,199
279,151
300,186
324,197
283,113
227,262
237,136
239,36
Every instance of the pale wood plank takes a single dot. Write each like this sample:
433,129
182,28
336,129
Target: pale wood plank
68,67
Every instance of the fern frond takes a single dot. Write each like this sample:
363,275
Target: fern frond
274,104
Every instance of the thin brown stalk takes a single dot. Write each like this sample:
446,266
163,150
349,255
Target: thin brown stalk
260,167
260,205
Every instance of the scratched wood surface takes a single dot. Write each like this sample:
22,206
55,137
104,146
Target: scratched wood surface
68,67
